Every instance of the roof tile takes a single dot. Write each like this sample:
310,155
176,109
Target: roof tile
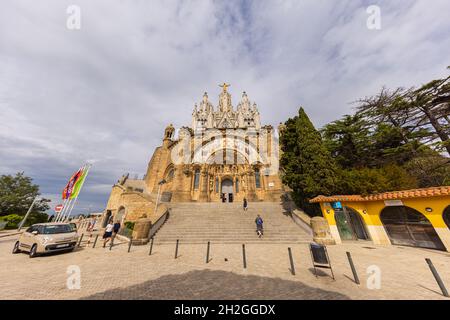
392,195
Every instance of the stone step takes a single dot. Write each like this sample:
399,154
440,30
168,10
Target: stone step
228,223
221,234
232,241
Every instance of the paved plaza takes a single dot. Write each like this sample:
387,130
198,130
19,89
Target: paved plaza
117,274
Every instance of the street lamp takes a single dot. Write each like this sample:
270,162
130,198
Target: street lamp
163,181
28,213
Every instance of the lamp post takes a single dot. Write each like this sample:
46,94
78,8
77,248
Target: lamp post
163,181
27,214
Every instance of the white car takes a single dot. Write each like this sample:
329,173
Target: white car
47,237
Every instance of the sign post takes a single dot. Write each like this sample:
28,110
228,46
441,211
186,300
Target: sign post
58,208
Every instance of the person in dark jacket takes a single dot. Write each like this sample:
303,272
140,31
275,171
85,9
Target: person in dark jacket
116,228
259,226
245,204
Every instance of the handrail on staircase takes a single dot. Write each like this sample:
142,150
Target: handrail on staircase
155,226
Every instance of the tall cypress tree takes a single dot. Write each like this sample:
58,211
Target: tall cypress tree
309,170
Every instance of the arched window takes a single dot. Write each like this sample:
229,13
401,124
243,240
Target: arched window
217,185
196,179
237,185
257,178
170,175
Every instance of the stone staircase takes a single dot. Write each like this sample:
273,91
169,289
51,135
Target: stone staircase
229,223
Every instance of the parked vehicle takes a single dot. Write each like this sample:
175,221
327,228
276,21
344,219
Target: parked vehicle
46,237
74,226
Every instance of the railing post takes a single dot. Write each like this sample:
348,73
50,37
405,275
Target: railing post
89,240
176,250
244,258
81,238
207,252
151,248
292,262
355,275
437,277
95,241
129,245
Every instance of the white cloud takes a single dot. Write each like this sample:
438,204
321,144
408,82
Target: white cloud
107,91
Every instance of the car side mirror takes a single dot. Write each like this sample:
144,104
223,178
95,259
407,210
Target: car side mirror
34,233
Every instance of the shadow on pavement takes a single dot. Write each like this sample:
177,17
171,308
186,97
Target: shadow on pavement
220,285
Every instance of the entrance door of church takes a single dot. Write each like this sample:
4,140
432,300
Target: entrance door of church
227,189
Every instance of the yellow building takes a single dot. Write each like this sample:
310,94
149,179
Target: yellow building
419,217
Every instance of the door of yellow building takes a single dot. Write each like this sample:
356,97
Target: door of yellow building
408,227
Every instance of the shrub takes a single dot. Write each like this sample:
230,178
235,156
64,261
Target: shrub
13,220
129,225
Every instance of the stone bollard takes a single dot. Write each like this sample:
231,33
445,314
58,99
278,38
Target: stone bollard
321,231
140,231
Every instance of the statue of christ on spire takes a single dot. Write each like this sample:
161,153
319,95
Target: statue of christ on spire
224,86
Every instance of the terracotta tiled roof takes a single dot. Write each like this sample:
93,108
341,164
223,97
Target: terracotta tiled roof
392,195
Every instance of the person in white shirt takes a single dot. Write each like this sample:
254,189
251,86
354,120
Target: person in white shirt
108,233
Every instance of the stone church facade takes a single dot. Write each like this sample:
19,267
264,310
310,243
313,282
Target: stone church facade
225,155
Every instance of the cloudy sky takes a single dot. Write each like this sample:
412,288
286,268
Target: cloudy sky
105,92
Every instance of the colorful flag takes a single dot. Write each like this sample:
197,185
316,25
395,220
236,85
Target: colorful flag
77,186
69,187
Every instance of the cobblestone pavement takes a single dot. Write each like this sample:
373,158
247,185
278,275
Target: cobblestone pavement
117,274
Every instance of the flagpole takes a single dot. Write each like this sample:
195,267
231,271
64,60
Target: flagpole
67,203
87,167
69,208
70,201
64,210
58,214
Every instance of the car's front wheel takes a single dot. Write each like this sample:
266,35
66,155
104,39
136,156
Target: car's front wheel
16,247
33,251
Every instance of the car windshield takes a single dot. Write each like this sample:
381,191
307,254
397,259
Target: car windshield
60,228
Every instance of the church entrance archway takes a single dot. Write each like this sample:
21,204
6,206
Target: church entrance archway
227,190
408,227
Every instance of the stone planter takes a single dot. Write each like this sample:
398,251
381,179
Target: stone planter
321,231
140,231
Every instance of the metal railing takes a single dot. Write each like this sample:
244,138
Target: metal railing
155,226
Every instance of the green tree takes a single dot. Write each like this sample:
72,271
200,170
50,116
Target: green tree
348,141
366,180
431,104
16,195
421,114
430,169
308,168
